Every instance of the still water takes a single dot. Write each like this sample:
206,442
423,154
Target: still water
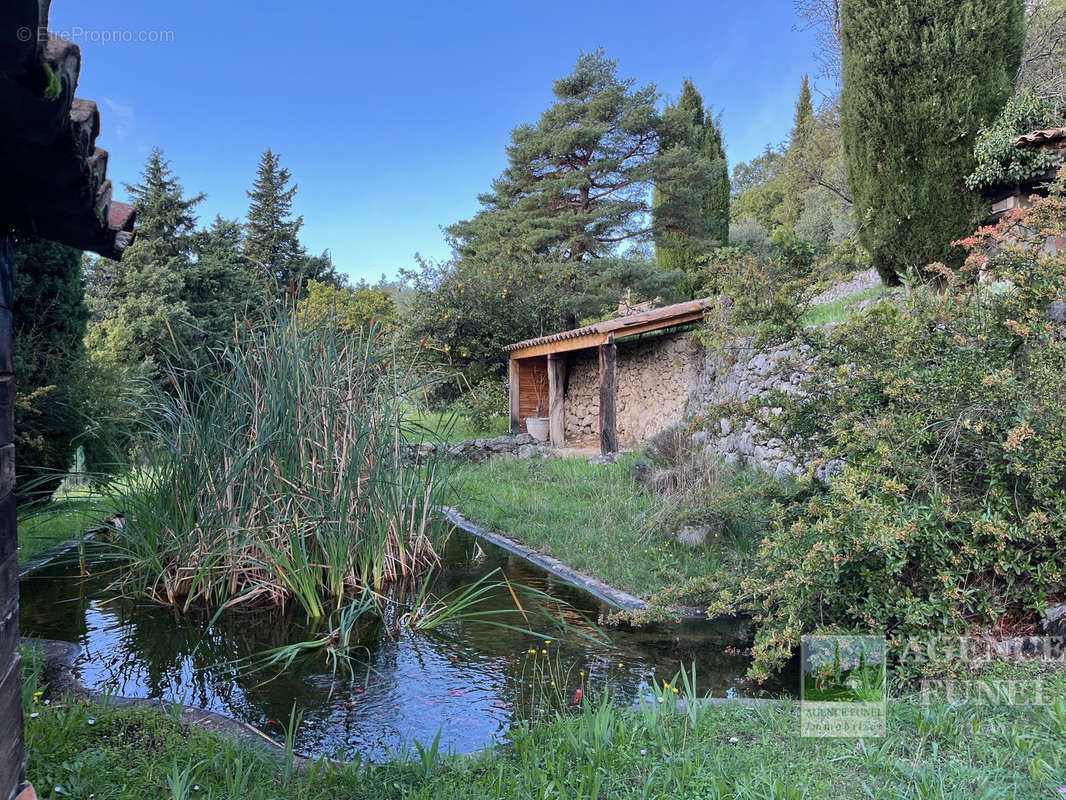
467,680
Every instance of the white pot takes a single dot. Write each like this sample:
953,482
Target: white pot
538,428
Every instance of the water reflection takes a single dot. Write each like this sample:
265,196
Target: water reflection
468,680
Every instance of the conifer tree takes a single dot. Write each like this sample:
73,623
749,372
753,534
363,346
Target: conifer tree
575,193
803,130
140,315
273,242
920,78
48,326
679,248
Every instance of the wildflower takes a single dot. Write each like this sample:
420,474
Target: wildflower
733,740
37,696
544,652
91,721
532,652
643,752
35,714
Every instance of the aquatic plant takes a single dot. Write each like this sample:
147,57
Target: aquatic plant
274,473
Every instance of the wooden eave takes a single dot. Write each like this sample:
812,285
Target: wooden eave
622,327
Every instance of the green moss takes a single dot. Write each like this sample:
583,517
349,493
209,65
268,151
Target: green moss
53,85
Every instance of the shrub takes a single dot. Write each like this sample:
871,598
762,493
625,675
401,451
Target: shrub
999,162
944,416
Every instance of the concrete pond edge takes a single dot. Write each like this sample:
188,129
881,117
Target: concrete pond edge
612,596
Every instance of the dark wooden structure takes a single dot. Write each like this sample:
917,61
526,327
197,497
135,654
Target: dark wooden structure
53,185
538,368
1012,197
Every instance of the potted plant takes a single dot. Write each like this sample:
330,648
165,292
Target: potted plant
538,426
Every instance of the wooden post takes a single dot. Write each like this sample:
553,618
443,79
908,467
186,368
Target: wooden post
608,391
11,772
512,393
556,407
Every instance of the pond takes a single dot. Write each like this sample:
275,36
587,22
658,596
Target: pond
467,680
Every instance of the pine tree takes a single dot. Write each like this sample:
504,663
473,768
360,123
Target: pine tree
48,325
138,304
575,192
273,233
679,248
920,78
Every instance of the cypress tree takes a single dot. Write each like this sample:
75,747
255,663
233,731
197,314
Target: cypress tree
799,145
679,247
920,78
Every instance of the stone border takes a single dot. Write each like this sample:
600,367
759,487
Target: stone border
55,552
597,588
604,592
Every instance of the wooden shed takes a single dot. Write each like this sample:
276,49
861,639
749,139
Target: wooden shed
539,368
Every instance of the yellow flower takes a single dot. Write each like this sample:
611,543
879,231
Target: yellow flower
544,652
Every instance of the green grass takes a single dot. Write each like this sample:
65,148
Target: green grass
454,428
63,520
842,310
593,517
78,749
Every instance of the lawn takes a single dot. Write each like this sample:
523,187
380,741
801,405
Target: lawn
593,517
63,520
78,749
454,428
844,309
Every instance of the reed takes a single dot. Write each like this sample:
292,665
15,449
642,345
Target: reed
275,473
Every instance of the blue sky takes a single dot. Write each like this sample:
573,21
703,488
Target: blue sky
392,117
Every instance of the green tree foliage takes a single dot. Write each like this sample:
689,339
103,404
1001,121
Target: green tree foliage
272,241
1043,71
938,416
468,311
920,78
759,189
221,285
348,308
575,193
680,249
139,305
998,161
797,181
48,322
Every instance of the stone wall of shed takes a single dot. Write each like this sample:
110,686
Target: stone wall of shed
656,376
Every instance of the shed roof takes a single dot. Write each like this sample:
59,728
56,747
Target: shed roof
1051,137
598,332
54,176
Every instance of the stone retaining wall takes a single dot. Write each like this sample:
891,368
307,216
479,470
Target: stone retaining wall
655,378
746,374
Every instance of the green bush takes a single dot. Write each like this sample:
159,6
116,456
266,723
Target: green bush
999,162
942,419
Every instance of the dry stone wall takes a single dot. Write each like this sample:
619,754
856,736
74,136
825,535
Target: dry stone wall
656,376
741,376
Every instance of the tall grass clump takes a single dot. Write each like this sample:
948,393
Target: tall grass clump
275,473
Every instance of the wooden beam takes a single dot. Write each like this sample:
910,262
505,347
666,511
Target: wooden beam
608,393
512,393
556,408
